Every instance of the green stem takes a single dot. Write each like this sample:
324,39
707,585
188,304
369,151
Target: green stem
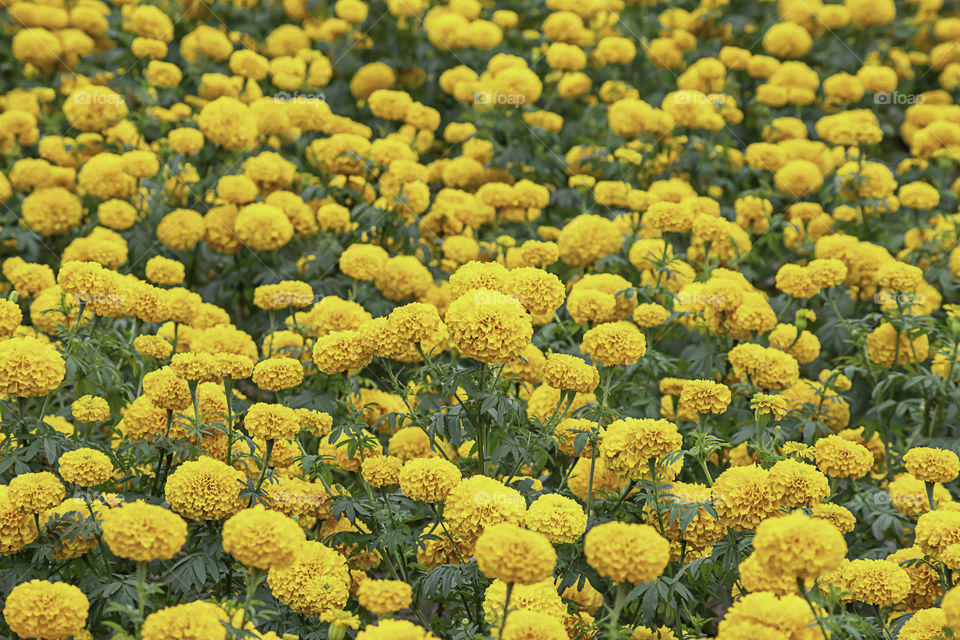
141,597
506,604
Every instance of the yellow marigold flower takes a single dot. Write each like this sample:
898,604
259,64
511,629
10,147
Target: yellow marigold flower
506,552
414,322
197,367
705,396
769,404
631,553
488,326
614,343
10,317
271,421
628,445
196,619
744,497
951,607
909,495
541,597
90,409
46,610
363,261
262,539
59,522
767,368
317,581
587,238
566,372
428,479
29,367
704,529
798,484
936,531
841,458
932,465
479,502
924,624
386,629
228,122
166,389
143,532
763,614
278,373
877,582
35,492
798,178
339,351
539,291
384,596
85,467
838,516
888,347
382,471
650,314
525,624
160,270
263,227
205,489
94,108
558,518
571,430
798,546
756,577
17,528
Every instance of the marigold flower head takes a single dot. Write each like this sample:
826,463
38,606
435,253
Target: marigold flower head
841,458
166,389
705,396
769,404
46,610
317,581
35,492
271,421
262,539
488,326
525,624
190,621
628,445
540,292
415,321
631,553
381,471
936,531
558,518
798,484
428,479
878,582
798,546
614,343
479,502
932,465
143,532
17,527
90,409
507,552
29,367
205,489
764,614
85,467
384,596
744,497
570,373
275,374
388,629
339,351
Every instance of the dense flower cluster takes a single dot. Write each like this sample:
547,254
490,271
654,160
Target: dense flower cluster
526,320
